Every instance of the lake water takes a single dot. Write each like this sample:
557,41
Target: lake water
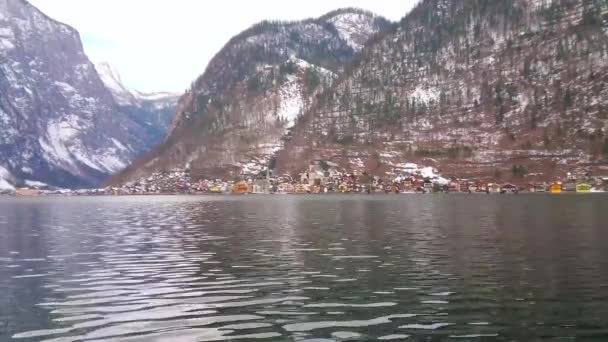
297,268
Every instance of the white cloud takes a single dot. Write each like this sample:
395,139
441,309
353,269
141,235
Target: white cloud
166,44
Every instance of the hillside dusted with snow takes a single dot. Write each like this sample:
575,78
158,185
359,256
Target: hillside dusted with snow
254,90
59,123
479,88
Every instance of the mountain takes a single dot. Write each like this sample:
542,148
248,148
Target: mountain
498,89
60,125
153,111
235,116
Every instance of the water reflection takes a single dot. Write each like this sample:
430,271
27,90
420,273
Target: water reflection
430,268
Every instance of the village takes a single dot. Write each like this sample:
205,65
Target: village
321,178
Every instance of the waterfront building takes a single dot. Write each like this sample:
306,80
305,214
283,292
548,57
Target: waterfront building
569,186
509,189
583,188
454,186
241,188
556,188
302,188
494,188
286,188
262,186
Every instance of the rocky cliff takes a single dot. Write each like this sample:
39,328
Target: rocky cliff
59,124
154,112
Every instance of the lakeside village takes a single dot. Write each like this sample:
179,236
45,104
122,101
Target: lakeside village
321,178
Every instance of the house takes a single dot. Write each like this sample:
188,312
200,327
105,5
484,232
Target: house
302,188
482,187
262,186
454,187
556,188
569,186
215,189
583,188
241,188
494,188
286,188
509,189
343,188
408,184
538,187
472,187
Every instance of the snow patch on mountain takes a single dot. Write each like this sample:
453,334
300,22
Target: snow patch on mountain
32,183
126,96
155,96
354,28
5,185
5,176
111,78
291,102
426,94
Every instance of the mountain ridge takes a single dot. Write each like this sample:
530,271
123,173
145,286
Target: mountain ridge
60,124
421,93
229,119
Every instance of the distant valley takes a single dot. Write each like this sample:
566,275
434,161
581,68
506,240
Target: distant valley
60,124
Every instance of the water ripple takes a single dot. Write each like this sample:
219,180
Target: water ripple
303,269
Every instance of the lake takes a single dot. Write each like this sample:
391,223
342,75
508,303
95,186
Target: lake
305,268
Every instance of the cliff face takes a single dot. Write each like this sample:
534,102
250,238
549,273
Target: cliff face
153,112
477,87
236,114
59,123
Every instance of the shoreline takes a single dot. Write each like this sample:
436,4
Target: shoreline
565,193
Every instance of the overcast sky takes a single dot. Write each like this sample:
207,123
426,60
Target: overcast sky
165,44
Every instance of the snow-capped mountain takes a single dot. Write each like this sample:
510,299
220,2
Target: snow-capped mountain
126,96
154,111
493,89
111,78
59,123
240,110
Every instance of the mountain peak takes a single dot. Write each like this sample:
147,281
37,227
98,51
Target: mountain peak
353,25
111,78
126,96
60,124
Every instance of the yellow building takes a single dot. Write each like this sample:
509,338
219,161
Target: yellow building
583,188
343,188
216,189
556,188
